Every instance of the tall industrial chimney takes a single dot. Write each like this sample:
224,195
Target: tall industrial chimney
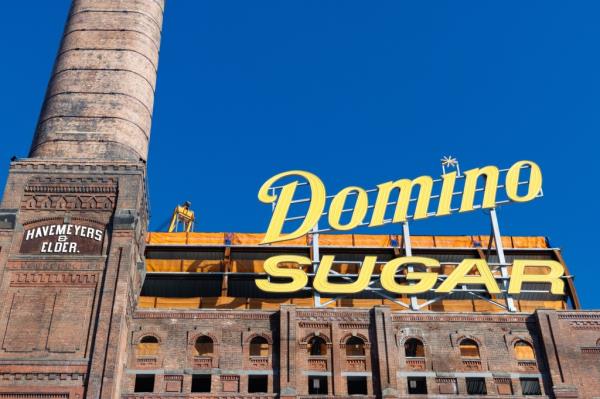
100,97
66,297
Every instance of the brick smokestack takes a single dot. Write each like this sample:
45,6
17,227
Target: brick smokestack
100,97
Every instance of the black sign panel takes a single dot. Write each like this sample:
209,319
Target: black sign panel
63,239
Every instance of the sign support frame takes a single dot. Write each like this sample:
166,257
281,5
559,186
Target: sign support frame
510,303
414,304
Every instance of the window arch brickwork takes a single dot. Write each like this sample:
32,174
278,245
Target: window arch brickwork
258,350
203,356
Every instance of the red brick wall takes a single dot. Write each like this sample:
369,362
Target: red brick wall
63,317
385,364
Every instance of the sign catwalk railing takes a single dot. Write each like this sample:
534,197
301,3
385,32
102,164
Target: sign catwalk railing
301,206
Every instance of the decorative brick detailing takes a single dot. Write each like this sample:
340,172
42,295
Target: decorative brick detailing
579,315
34,396
335,397
141,314
87,185
68,202
356,364
313,325
471,364
259,362
304,342
527,365
85,166
591,349
11,377
70,193
317,363
585,324
417,364
53,279
463,317
230,383
146,362
201,396
349,335
54,266
328,316
354,326
202,362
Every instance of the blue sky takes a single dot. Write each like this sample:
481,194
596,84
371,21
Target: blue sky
359,93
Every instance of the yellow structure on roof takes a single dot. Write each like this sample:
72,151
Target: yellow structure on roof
184,215
345,240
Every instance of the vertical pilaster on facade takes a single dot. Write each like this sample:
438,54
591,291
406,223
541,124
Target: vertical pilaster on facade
558,354
96,382
337,386
387,352
565,391
287,352
7,225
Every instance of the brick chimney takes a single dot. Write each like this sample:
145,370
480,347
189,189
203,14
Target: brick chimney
100,97
83,173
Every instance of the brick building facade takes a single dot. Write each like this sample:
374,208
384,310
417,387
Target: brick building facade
85,311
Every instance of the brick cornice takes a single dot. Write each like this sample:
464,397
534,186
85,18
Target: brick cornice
243,315
579,315
333,315
66,166
464,317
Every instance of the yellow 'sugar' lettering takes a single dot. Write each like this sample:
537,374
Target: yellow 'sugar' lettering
417,282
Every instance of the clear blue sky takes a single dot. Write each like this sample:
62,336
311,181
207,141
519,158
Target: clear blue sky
359,93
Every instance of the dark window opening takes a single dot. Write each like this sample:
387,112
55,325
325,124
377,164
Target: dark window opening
317,347
259,347
476,386
258,383
531,386
469,349
355,347
414,348
417,385
317,385
144,383
201,383
203,346
357,385
149,339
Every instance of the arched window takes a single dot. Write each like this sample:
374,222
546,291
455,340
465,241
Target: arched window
203,346
355,347
524,350
317,347
259,347
148,346
469,348
414,348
